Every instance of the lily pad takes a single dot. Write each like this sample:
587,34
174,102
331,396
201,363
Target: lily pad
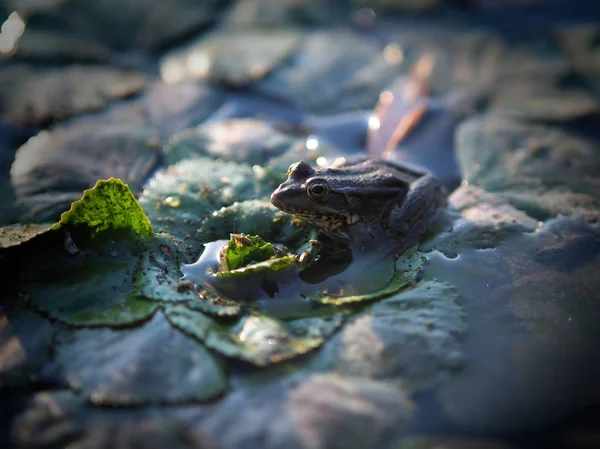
34,96
257,339
152,364
109,205
332,411
88,278
16,235
485,220
283,13
179,198
541,170
344,73
255,217
84,289
172,108
404,275
143,24
51,419
52,46
413,336
323,410
25,347
158,275
234,56
537,102
247,141
52,169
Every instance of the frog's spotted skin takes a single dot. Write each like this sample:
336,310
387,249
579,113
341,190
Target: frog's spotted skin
363,202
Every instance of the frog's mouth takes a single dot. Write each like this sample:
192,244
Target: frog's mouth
327,221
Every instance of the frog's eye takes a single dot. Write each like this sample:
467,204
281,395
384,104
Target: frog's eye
318,190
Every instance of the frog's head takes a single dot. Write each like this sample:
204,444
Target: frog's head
316,195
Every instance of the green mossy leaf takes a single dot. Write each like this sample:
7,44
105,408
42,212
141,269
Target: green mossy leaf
242,250
109,205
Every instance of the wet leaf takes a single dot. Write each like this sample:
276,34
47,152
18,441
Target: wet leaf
25,347
257,339
108,206
52,169
285,13
242,250
53,46
345,73
142,25
16,235
329,410
180,197
158,275
544,171
54,419
232,56
34,96
94,287
248,141
151,364
255,217
413,336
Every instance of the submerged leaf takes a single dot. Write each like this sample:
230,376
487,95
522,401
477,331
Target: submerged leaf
404,275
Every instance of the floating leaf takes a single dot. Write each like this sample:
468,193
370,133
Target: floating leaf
412,336
33,95
94,287
257,339
51,418
248,141
257,217
151,364
52,169
16,235
233,56
109,205
158,275
25,342
542,170
180,197
241,250
345,73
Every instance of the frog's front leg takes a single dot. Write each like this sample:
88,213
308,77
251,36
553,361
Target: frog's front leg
414,215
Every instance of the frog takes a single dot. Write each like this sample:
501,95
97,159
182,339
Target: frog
363,202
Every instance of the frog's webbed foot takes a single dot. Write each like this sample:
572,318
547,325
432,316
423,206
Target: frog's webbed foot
414,216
